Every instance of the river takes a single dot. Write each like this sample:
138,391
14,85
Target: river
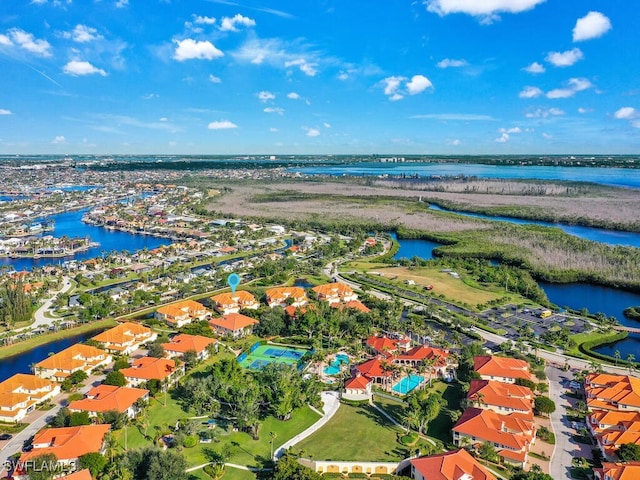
621,177
71,225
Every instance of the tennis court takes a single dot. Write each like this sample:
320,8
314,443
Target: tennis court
265,354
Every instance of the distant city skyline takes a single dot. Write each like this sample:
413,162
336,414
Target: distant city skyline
223,77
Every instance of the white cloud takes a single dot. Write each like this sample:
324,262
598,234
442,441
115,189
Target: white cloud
504,138
312,132
392,84
625,113
592,25
583,110
326,125
265,96
150,96
307,68
544,113
83,34
455,142
78,68
565,59
463,117
277,110
580,84
221,125
547,136
343,76
561,93
395,97
203,20
510,130
121,3
163,119
273,130
4,111
281,54
575,85
451,63
293,96
535,68
487,10
189,49
418,84
59,139
530,92
214,79
230,24
26,41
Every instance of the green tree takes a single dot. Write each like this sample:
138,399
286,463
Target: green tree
115,378
629,452
488,452
120,363
43,467
78,377
544,405
190,359
156,350
79,418
288,468
94,461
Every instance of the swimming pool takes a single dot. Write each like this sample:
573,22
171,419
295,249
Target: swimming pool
334,368
407,384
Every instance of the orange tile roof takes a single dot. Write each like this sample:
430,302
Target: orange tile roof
183,343
68,442
240,297
608,391
373,368
359,382
233,322
80,475
451,466
490,365
490,392
333,289
75,357
148,368
25,382
382,344
124,333
107,397
281,294
292,310
510,431
425,352
355,304
618,471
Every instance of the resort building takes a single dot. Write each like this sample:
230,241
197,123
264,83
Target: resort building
125,338
455,465
284,296
182,343
66,443
20,394
618,471
77,357
612,392
104,398
383,345
358,388
234,324
503,398
231,302
147,368
439,361
182,313
376,370
611,429
502,369
335,293
511,435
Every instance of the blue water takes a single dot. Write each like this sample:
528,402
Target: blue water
22,363
410,248
334,368
71,225
407,384
607,176
303,282
610,237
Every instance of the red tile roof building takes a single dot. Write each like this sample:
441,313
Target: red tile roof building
455,465
502,369
234,324
77,357
234,302
103,398
504,398
148,368
612,392
182,343
125,338
618,471
21,393
335,292
181,313
283,296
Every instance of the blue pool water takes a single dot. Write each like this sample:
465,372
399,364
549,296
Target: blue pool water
407,384
334,368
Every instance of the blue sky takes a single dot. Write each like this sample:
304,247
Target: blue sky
219,77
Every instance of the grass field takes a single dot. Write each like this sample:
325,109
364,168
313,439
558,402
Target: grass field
355,433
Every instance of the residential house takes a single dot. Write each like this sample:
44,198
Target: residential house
182,343
182,313
612,392
358,388
234,324
233,302
511,435
125,338
104,398
21,393
77,357
353,304
147,368
335,293
454,465
284,296
503,398
84,474
618,471
502,369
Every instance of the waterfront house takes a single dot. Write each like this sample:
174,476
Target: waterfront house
501,369
147,368
104,398
504,398
233,302
284,296
618,471
335,292
511,435
125,338
21,393
68,444
182,343
77,357
612,392
234,324
454,465
182,313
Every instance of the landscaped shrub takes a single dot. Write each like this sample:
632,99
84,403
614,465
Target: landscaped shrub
190,441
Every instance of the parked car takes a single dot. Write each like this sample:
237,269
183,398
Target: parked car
6,436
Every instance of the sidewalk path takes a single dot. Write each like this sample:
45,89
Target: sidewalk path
41,320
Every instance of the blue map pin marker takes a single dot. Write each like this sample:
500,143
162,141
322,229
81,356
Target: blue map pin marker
233,281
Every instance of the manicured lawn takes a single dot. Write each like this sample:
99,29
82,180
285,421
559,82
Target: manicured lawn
355,433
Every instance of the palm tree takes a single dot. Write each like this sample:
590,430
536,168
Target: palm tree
631,358
617,356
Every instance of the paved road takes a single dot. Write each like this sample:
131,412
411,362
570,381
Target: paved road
41,320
